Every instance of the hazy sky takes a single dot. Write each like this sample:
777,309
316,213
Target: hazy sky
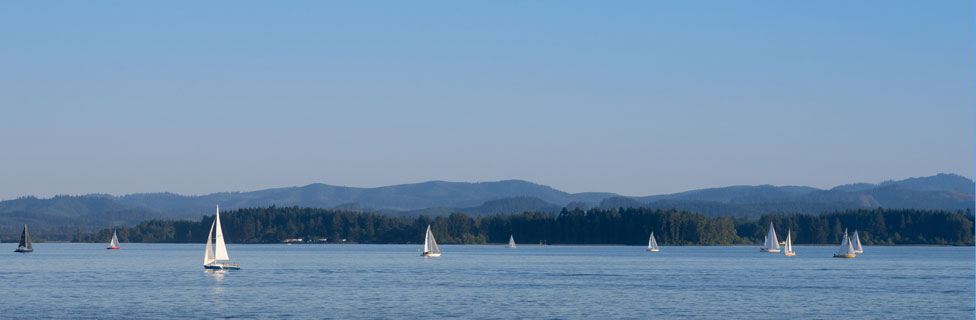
638,98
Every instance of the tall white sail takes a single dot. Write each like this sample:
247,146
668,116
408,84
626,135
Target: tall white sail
846,249
789,243
857,243
433,243
430,245
115,240
427,240
771,244
208,256
652,243
215,257
511,241
220,250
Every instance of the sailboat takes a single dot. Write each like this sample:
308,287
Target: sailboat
430,246
25,245
215,258
771,244
114,245
511,241
788,250
846,249
857,243
652,244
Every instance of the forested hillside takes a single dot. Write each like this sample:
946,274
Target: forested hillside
629,226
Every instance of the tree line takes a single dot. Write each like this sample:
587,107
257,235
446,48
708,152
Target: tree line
627,226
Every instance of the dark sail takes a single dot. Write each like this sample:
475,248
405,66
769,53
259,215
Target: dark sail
25,242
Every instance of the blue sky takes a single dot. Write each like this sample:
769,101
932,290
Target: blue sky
633,97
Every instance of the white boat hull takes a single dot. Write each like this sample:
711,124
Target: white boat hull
432,255
653,250
769,250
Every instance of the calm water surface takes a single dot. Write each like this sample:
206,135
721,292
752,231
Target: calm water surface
392,281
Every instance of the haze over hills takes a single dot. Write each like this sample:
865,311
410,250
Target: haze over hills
942,191
397,198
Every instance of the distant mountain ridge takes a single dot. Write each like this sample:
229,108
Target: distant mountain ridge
404,197
68,212
942,191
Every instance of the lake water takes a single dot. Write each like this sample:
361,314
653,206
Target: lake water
392,281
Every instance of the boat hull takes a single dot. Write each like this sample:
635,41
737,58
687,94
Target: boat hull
653,250
24,250
844,256
790,254
768,250
221,267
113,248
432,255
858,251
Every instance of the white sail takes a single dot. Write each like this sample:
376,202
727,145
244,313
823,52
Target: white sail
846,249
652,243
220,250
208,256
789,243
433,243
511,241
857,243
115,240
427,240
771,244
430,245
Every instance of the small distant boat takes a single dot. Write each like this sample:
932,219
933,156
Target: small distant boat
114,245
430,245
771,244
846,249
857,243
511,241
788,249
216,258
652,244
25,245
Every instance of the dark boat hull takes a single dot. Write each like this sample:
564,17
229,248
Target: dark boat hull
222,267
24,250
